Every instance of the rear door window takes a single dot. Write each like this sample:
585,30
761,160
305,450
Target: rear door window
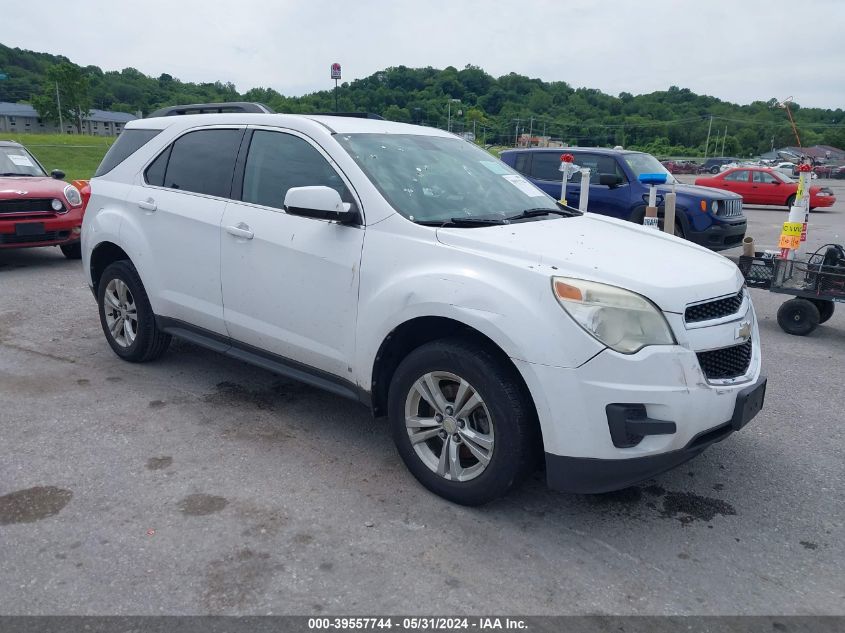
546,166
202,162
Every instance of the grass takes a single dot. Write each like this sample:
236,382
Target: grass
77,156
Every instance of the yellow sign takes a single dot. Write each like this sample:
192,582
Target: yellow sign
792,228
790,241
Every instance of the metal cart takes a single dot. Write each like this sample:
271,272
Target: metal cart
816,284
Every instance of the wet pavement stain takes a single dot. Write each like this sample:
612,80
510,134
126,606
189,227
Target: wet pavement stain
158,463
198,505
233,581
687,507
809,544
83,382
33,504
157,404
279,393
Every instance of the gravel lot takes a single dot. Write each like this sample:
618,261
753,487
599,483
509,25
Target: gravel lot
197,484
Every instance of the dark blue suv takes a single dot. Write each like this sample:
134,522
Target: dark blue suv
703,215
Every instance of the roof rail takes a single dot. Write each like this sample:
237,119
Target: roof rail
354,115
213,108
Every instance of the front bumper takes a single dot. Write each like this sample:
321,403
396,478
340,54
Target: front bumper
682,411
584,475
719,236
53,230
822,202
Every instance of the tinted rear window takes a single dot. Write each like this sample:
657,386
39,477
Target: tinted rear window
129,142
204,162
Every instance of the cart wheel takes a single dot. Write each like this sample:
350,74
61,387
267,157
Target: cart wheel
798,317
825,309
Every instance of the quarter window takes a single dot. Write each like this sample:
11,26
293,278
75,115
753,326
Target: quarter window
277,162
123,148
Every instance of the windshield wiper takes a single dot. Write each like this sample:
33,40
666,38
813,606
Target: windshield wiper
13,173
540,211
468,221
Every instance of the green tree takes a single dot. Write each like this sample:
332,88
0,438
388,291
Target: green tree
74,94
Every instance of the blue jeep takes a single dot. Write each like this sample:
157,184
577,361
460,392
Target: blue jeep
703,215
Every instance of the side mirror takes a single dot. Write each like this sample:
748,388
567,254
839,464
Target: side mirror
610,180
58,174
323,203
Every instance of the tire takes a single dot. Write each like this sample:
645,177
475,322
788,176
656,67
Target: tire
825,309
120,296
497,437
798,317
790,201
72,251
714,170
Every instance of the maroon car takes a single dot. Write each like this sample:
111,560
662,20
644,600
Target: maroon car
37,209
680,166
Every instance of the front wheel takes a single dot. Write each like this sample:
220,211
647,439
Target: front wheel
790,201
72,251
461,421
126,315
798,317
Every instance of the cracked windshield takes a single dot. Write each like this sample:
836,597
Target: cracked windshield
444,180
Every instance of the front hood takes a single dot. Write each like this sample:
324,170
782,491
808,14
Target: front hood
43,187
699,191
668,270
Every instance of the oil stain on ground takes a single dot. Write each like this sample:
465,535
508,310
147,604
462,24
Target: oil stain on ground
33,504
198,505
687,507
158,463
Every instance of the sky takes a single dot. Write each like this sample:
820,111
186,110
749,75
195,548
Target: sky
737,50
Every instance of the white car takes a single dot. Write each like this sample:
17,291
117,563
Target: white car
407,269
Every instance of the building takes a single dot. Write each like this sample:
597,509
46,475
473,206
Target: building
22,118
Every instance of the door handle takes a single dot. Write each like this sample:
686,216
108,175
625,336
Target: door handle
147,205
240,230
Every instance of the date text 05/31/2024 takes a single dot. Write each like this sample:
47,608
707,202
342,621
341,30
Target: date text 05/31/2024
416,623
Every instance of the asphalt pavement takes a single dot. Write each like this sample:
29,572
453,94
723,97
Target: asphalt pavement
197,484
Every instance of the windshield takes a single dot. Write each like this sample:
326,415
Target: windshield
16,161
438,179
781,176
647,164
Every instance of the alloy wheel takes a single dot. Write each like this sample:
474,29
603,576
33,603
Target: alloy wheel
121,313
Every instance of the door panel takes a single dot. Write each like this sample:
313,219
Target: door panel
292,287
179,207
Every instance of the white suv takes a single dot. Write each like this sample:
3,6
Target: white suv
406,268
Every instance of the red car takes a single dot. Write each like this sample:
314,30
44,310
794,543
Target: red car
762,185
37,209
680,166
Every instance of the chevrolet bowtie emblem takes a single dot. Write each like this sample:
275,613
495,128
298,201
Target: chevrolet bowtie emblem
743,332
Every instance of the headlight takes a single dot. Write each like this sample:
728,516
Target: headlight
73,196
622,320
715,206
57,205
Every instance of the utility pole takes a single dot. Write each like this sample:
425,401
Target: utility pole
530,130
707,143
59,106
449,115
516,134
724,136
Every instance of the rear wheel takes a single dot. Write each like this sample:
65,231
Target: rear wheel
790,201
461,422
126,315
825,309
714,170
798,317
72,251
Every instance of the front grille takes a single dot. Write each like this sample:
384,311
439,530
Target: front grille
730,208
27,205
51,236
730,362
714,309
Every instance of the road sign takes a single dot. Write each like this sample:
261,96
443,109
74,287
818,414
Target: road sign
335,71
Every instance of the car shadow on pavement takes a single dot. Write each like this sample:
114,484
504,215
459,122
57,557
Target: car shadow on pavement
48,256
